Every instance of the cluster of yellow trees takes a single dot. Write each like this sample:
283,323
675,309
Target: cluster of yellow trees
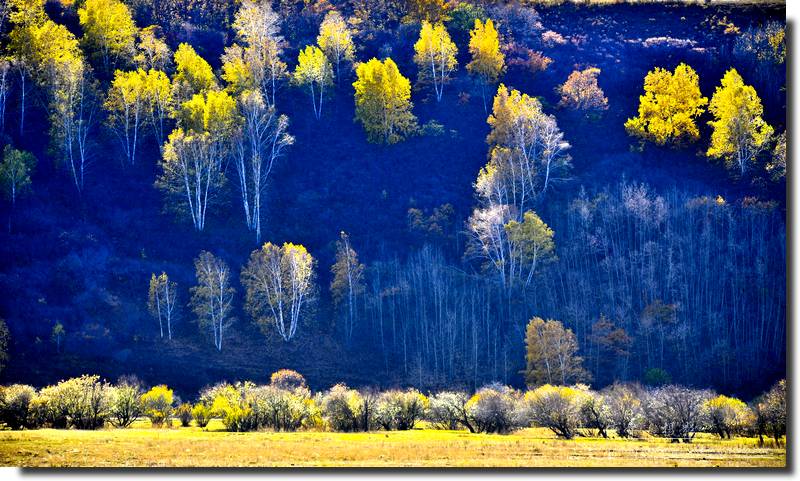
672,103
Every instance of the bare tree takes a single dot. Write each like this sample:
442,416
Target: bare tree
212,298
279,283
162,301
261,143
348,282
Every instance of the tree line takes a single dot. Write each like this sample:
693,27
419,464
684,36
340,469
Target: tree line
287,404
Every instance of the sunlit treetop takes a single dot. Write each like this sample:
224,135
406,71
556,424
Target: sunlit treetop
669,108
740,133
193,75
488,61
108,30
383,101
215,113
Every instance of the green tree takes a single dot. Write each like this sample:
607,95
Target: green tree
383,101
435,55
428,10
671,103
336,40
15,171
531,244
488,62
552,354
740,133
108,31
313,69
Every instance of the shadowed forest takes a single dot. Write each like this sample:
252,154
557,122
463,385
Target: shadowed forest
207,190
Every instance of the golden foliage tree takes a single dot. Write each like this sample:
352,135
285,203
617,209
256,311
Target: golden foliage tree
336,40
151,51
435,55
488,62
552,354
193,75
740,133
671,103
383,101
313,69
126,105
108,30
195,153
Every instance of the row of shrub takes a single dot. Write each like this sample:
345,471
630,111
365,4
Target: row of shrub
287,404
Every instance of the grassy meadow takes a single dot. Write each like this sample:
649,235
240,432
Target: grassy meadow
143,446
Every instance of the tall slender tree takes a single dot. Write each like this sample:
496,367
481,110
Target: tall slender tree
162,302
435,55
264,137
212,297
347,284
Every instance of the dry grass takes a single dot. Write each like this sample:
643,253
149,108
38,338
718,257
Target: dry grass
189,447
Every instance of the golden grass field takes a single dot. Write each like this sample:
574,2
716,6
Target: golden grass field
143,446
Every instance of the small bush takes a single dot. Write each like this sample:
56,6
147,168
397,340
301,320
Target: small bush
341,408
657,377
281,409
581,91
770,413
675,412
400,410
125,405
83,403
624,409
201,414
595,415
157,405
726,416
229,404
492,409
288,379
448,410
557,408
15,405
184,414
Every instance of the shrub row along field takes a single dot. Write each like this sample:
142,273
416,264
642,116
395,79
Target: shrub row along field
672,412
